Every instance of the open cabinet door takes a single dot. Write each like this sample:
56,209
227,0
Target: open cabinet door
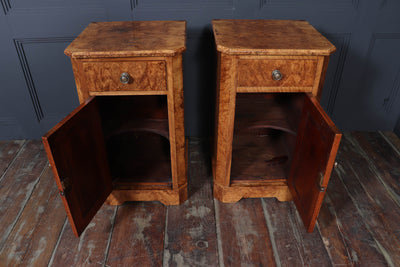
76,151
316,146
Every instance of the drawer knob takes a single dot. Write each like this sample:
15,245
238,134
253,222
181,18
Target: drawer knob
276,75
124,78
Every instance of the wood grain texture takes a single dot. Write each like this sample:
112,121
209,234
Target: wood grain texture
244,235
144,75
374,203
150,115
114,93
135,38
330,229
258,72
151,52
392,139
8,151
253,155
267,114
269,37
357,223
80,80
176,121
294,80
77,154
17,184
166,196
225,115
264,137
36,232
347,229
92,246
138,235
388,167
293,246
322,68
234,193
191,238
313,159
292,89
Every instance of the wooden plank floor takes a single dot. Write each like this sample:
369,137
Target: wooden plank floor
359,223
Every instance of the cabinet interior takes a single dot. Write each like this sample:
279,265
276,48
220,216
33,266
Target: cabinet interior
137,140
264,137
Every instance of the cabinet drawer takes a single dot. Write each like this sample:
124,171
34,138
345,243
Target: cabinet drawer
294,72
103,76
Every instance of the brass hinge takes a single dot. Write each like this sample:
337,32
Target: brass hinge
321,179
320,182
65,185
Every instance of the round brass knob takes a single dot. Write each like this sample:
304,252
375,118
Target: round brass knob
276,75
124,78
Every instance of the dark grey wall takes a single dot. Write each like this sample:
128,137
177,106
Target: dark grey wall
37,87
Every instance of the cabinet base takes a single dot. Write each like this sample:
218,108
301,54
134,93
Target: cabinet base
232,194
167,197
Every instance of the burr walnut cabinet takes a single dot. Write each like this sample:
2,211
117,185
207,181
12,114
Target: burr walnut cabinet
126,140
272,137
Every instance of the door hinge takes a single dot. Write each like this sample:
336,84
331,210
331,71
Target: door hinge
65,185
321,179
320,182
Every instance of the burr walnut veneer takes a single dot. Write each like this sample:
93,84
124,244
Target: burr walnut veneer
126,140
272,137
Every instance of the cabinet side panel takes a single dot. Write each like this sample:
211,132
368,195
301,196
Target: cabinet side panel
225,115
320,76
176,121
81,87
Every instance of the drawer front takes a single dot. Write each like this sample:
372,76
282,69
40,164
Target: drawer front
144,75
294,72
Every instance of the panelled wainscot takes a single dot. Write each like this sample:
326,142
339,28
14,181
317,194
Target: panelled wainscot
272,137
126,140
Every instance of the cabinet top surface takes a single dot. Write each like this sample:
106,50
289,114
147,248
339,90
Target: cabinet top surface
129,38
269,37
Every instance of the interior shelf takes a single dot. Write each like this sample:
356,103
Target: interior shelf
256,113
137,140
265,132
123,114
139,158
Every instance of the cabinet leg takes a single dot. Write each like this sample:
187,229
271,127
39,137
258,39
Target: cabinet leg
232,194
167,197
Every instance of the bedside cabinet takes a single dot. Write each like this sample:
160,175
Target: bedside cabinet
272,137
126,141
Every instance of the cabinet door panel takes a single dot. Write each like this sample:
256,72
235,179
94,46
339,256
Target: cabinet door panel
314,156
76,151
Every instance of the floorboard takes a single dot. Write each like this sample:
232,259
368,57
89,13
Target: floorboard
36,232
243,234
8,151
384,161
190,238
358,224
379,211
358,240
138,235
294,247
91,248
17,184
393,140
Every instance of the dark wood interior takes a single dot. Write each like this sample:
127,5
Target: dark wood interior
137,141
264,137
